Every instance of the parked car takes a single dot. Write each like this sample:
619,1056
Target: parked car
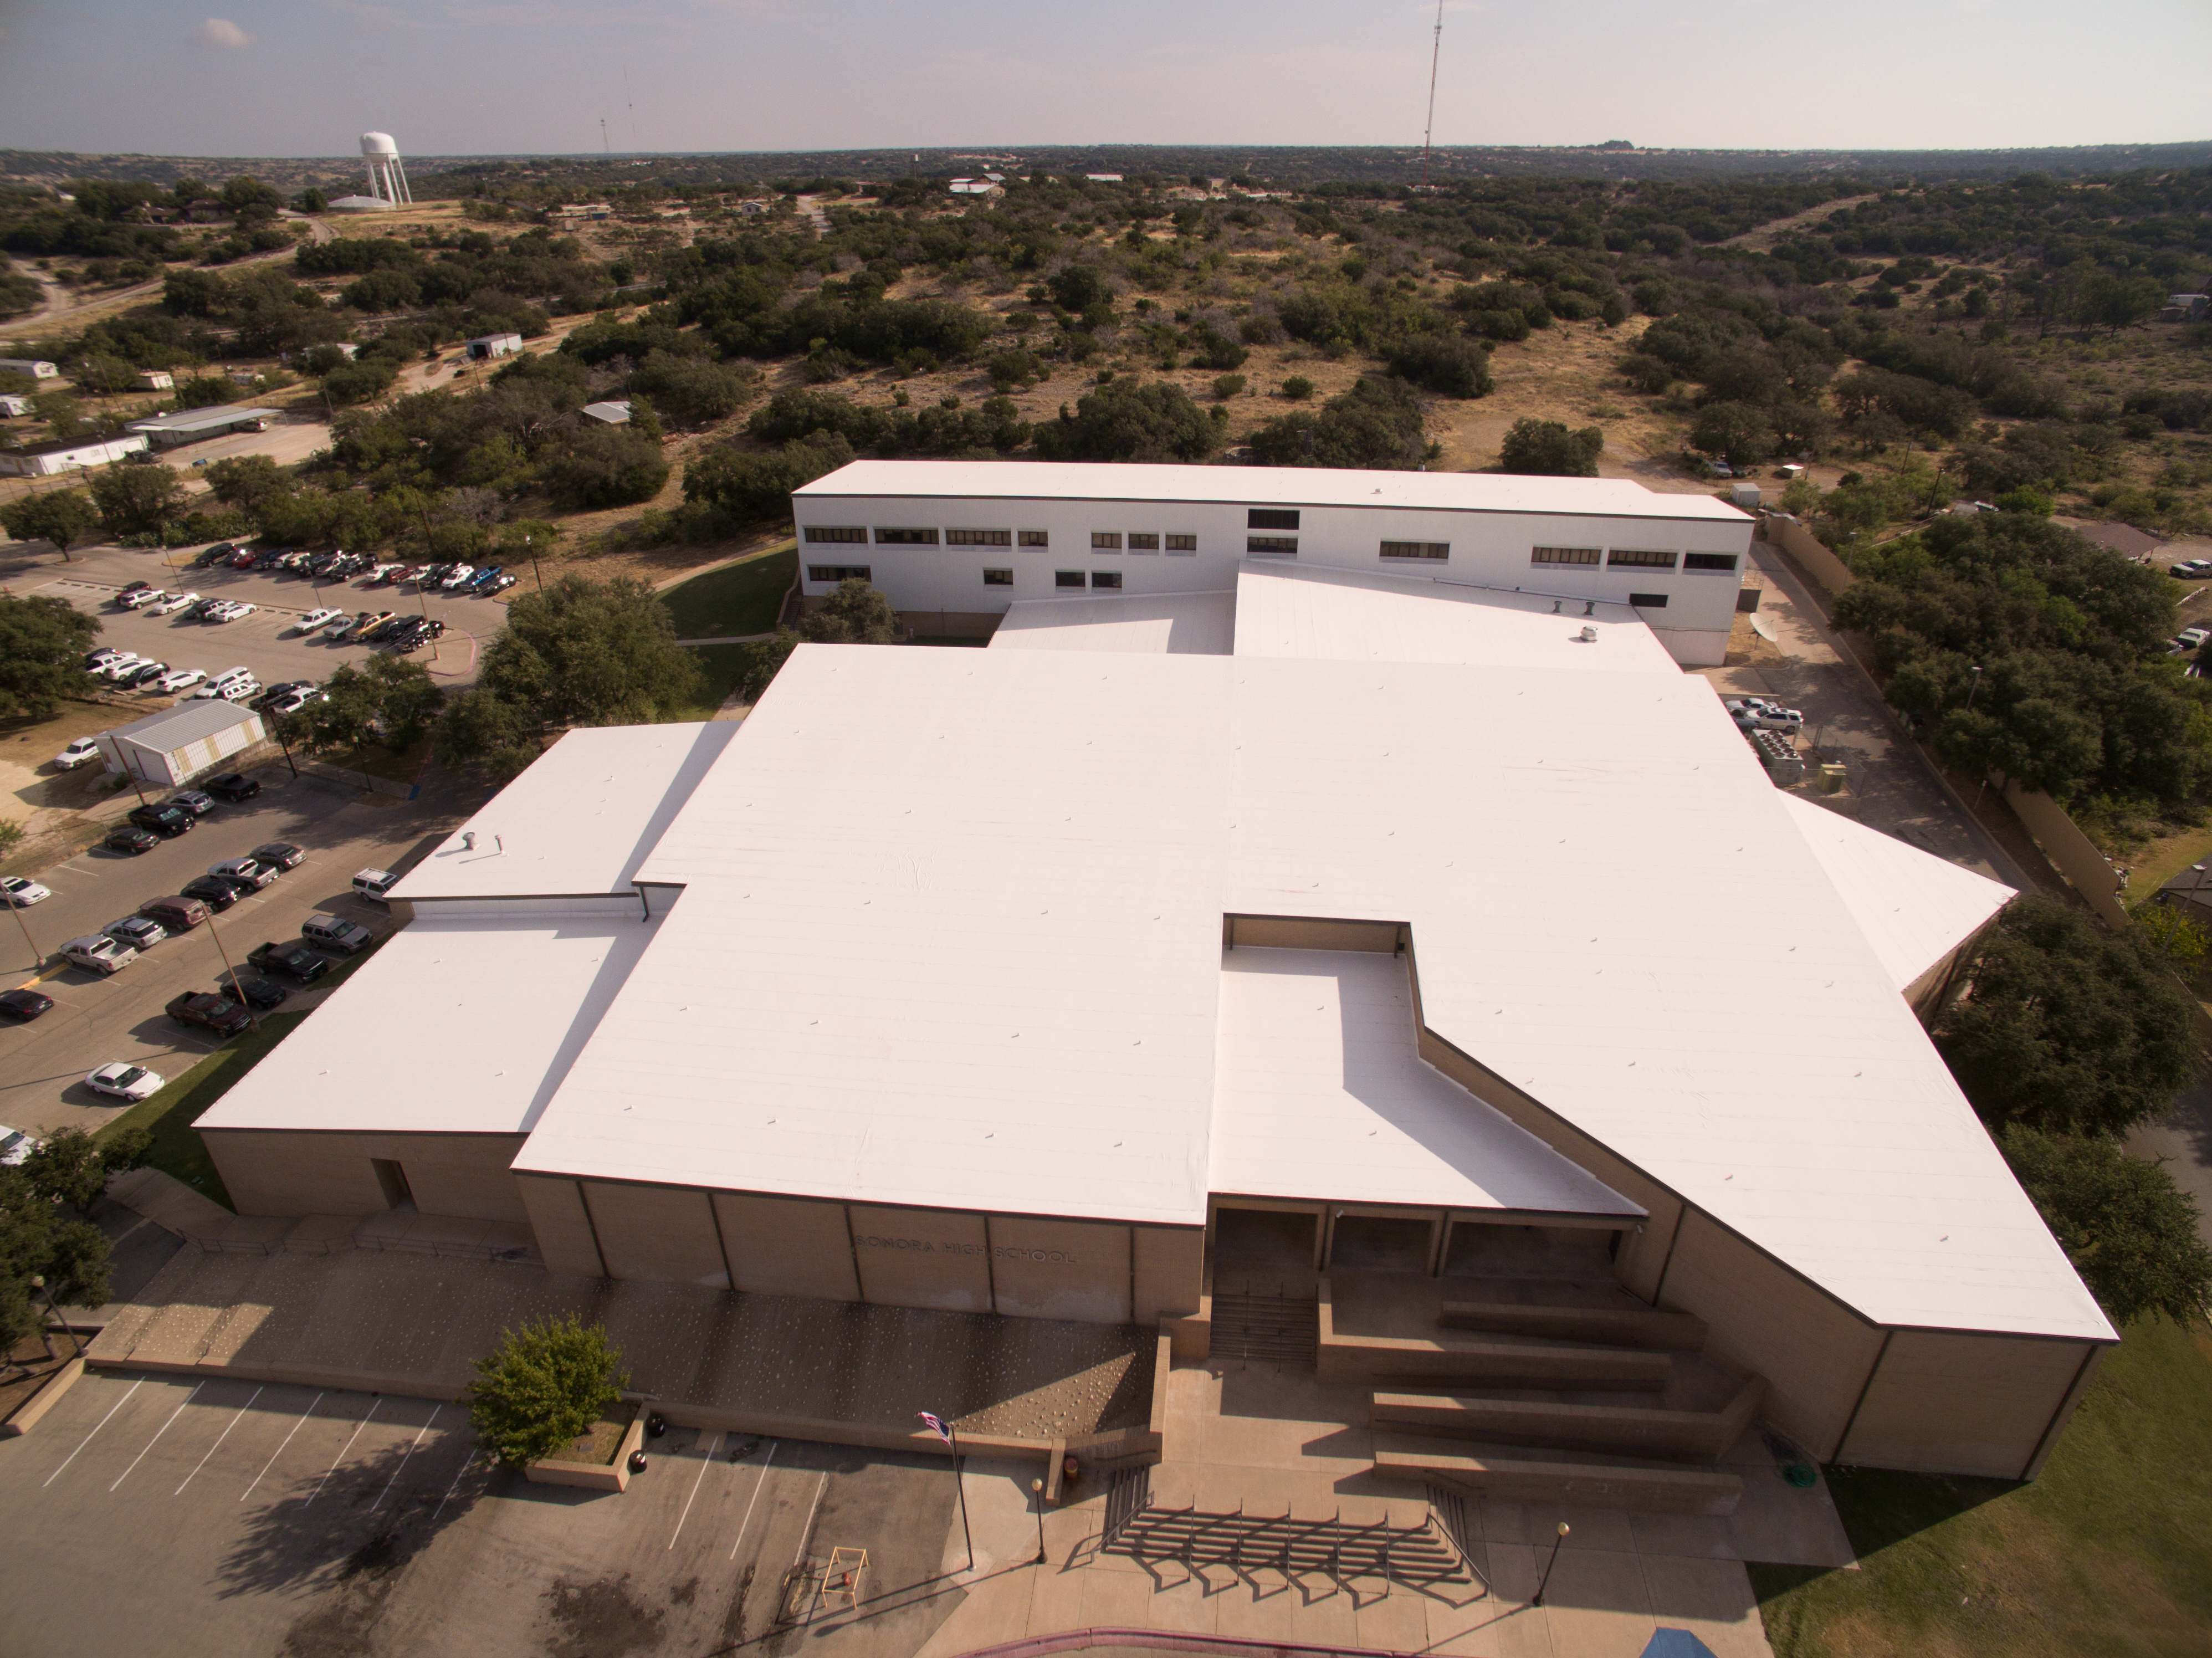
193,801
179,913
269,558
263,993
141,932
382,575
82,752
139,595
317,618
175,604
210,1011
2190,569
234,610
374,884
498,586
293,702
125,1081
481,580
133,588
217,894
95,952
279,854
293,961
2190,638
341,625
221,552
131,841
96,660
15,1146
249,870
233,787
334,933
117,666
459,575
170,683
21,894
364,624
243,691
145,674
164,819
24,1005
242,559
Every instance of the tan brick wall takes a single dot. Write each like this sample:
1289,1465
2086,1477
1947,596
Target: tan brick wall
788,1246
1068,1269
658,1232
1814,1353
563,1228
1171,1271
922,1258
1962,1404
277,1172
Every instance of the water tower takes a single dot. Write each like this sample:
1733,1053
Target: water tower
387,178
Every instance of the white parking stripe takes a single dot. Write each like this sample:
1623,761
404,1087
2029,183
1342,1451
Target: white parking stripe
344,1448
807,1532
217,1446
467,1462
96,1427
279,1451
712,1446
158,1432
409,1452
758,1484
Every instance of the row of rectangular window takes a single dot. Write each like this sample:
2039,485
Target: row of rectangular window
1631,557
1075,578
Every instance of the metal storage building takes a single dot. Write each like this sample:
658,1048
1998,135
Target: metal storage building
197,736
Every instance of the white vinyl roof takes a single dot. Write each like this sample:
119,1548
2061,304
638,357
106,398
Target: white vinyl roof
1914,908
580,821
194,419
454,1027
1324,614
1261,486
1183,624
1318,1088
1612,910
949,937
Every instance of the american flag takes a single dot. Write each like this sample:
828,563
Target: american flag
936,1426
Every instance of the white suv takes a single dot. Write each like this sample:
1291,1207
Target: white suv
82,752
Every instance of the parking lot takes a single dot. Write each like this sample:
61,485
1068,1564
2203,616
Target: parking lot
263,641
170,1515
96,1019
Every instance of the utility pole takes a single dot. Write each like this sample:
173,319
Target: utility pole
1429,130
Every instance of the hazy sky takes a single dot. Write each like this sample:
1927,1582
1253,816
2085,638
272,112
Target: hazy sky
278,78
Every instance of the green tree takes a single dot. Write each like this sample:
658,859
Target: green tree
1376,424
691,390
1738,433
246,481
73,1167
250,200
36,1241
2131,1232
1128,420
2117,302
2070,1029
63,517
138,501
480,727
856,614
1298,388
62,413
756,489
388,700
194,293
1451,364
42,641
1546,448
604,466
579,654
546,1385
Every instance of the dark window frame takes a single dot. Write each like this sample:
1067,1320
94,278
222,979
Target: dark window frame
1548,555
1105,541
1273,546
979,537
1710,563
1111,579
1182,543
841,573
1648,601
905,536
1640,558
1427,552
1035,538
1068,579
837,535
1271,518
1144,541
998,577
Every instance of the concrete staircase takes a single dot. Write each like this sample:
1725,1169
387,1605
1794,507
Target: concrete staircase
1538,1390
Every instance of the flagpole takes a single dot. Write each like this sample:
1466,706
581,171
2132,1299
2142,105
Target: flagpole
966,1536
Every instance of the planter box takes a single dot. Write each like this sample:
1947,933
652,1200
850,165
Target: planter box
27,1415
608,1476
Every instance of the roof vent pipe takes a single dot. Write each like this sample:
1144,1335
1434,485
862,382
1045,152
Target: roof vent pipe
1589,607
501,844
1590,635
469,840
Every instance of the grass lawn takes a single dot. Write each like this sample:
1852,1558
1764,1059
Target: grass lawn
170,1114
2109,1551
721,667
737,598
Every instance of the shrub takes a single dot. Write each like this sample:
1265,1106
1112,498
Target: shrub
1125,420
549,1382
1298,388
1226,386
1376,424
604,466
1449,363
2128,1230
1546,448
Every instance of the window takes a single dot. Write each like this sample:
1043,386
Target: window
1067,578
840,573
905,537
979,537
1182,543
1417,549
1562,556
1270,517
1105,577
853,536
1036,538
1708,561
998,577
1105,541
1143,543
1271,544
1642,560
1648,601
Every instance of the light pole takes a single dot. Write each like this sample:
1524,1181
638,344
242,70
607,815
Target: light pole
1545,1582
76,1347
1972,685
1036,1490
945,1432
29,942
252,1019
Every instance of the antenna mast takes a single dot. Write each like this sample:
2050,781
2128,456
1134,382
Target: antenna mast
1431,128
632,107
603,144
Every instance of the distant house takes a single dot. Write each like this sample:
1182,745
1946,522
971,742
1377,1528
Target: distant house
611,413
48,460
12,406
196,425
485,347
155,380
1104,178
36,367
2190,892
973,187
2186,307
360,204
